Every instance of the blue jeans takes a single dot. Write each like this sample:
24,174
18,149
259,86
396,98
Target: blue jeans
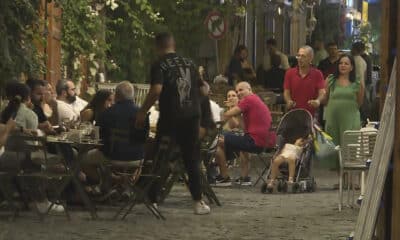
234,142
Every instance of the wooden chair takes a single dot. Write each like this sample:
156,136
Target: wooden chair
357,147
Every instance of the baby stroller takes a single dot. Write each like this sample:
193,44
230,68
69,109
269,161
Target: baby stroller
297,123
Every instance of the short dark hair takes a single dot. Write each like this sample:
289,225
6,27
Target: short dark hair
330,44
358,46
239,48
62,85
272,42
16,93
33,83
162,39
275,60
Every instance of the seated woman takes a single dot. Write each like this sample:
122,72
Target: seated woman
49,104
233,124
100,102
18,95
289,154
26,120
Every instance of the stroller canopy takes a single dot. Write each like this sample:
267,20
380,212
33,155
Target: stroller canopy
297,123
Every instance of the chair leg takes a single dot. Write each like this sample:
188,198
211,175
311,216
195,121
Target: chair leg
353,191
120,210
208,191
362,187
349,182
266,171
340,190
132,204
154,211
261,175
88,203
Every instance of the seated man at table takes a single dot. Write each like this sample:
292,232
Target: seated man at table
121,116
66,96
38,88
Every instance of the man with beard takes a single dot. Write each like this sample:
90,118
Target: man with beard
38,88
65,97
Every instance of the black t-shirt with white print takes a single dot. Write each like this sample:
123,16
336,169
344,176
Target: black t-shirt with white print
179,99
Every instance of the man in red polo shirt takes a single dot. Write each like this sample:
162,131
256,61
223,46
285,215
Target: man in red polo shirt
304,85
257,122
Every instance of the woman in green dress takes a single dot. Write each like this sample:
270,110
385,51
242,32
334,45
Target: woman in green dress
344,97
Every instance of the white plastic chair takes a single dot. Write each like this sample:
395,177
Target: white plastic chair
356,149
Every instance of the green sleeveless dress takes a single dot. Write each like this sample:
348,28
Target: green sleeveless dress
342,112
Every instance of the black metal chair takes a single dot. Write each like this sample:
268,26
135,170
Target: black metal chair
132,181
36,178
171,169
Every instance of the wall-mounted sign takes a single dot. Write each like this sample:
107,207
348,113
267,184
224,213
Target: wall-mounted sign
216,25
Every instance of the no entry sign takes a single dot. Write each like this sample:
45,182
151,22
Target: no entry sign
216,25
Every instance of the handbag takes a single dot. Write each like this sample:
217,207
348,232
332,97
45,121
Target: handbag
325,150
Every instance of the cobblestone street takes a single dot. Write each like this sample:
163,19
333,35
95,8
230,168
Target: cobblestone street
245,214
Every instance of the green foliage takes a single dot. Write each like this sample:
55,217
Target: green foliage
110,36
132,47
82,27
18,30
129,33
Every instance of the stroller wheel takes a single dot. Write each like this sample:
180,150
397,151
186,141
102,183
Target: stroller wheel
313,186
282,186
279,186
264,188
295,187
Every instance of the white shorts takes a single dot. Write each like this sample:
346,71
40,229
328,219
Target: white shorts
291,151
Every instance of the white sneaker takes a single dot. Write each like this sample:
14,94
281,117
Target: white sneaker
200,208
43,206
155,205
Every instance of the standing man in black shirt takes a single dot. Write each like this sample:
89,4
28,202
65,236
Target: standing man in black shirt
329,65
175,83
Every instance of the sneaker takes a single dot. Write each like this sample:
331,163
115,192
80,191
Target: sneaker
200,208
360,199
44,206
243,181
219,178
224,182
155,205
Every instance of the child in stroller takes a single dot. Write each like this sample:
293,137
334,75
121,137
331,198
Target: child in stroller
293,155
289,154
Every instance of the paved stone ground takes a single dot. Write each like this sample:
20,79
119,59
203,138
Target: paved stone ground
245,214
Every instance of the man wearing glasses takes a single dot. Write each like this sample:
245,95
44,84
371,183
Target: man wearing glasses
304,85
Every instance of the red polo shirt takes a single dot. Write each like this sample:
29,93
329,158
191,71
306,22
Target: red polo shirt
304,89
257,120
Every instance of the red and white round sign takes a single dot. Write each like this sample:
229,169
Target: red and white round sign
216,25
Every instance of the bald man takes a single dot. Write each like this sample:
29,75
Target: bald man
257,135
